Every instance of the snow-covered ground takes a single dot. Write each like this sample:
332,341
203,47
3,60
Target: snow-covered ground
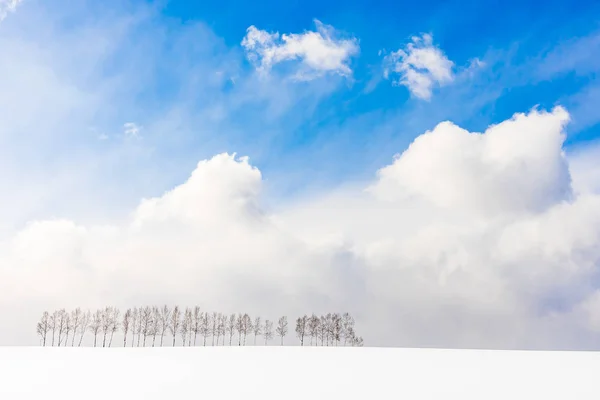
295,373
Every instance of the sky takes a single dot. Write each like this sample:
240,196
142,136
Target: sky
431,168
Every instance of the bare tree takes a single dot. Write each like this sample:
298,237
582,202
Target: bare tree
336,328
43,327
313,328
165,317
156,324
214,322
76,316
135,316
196,322
61,325
126,325
322,329
239,327
146,323
347,327
221,327
205,326
268,331
175,323
53,324
105,324
84,325
231,327
114,324
247,326
190,322
68,327
96,324
257,328
282,328
185,326
301,325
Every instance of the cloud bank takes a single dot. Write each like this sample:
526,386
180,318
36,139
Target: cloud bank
464,240
318,52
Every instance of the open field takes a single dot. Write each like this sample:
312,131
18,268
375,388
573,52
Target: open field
295,373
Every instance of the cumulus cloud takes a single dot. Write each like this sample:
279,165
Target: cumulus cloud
8,6
318,52
420,66
464,240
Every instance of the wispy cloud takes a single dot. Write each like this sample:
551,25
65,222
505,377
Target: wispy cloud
131,130
319,52
8,6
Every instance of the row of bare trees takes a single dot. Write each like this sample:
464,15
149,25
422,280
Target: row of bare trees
148,326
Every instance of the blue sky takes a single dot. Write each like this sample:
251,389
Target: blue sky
331,129
178,70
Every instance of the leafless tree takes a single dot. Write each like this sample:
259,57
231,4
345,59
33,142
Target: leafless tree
239,327
313,328
165,318
146,323
347,327
268,331
322,329
301,325
185,326
214,323
126,325
282,328
96,324
197,321
105,324
139,326
257,328
68,327
156,324
76,317
175,323
231,327
61,325
43,327
135,317
86,318
53,324
114,324
246,326
189,317
336,328
205,326
329,327
221,327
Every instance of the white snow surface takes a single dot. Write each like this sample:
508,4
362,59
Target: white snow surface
295,373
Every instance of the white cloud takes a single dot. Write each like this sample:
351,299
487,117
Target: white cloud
420,66
8,6
465,240
319,52
131,130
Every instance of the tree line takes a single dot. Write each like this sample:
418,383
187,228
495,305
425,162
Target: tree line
149,326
